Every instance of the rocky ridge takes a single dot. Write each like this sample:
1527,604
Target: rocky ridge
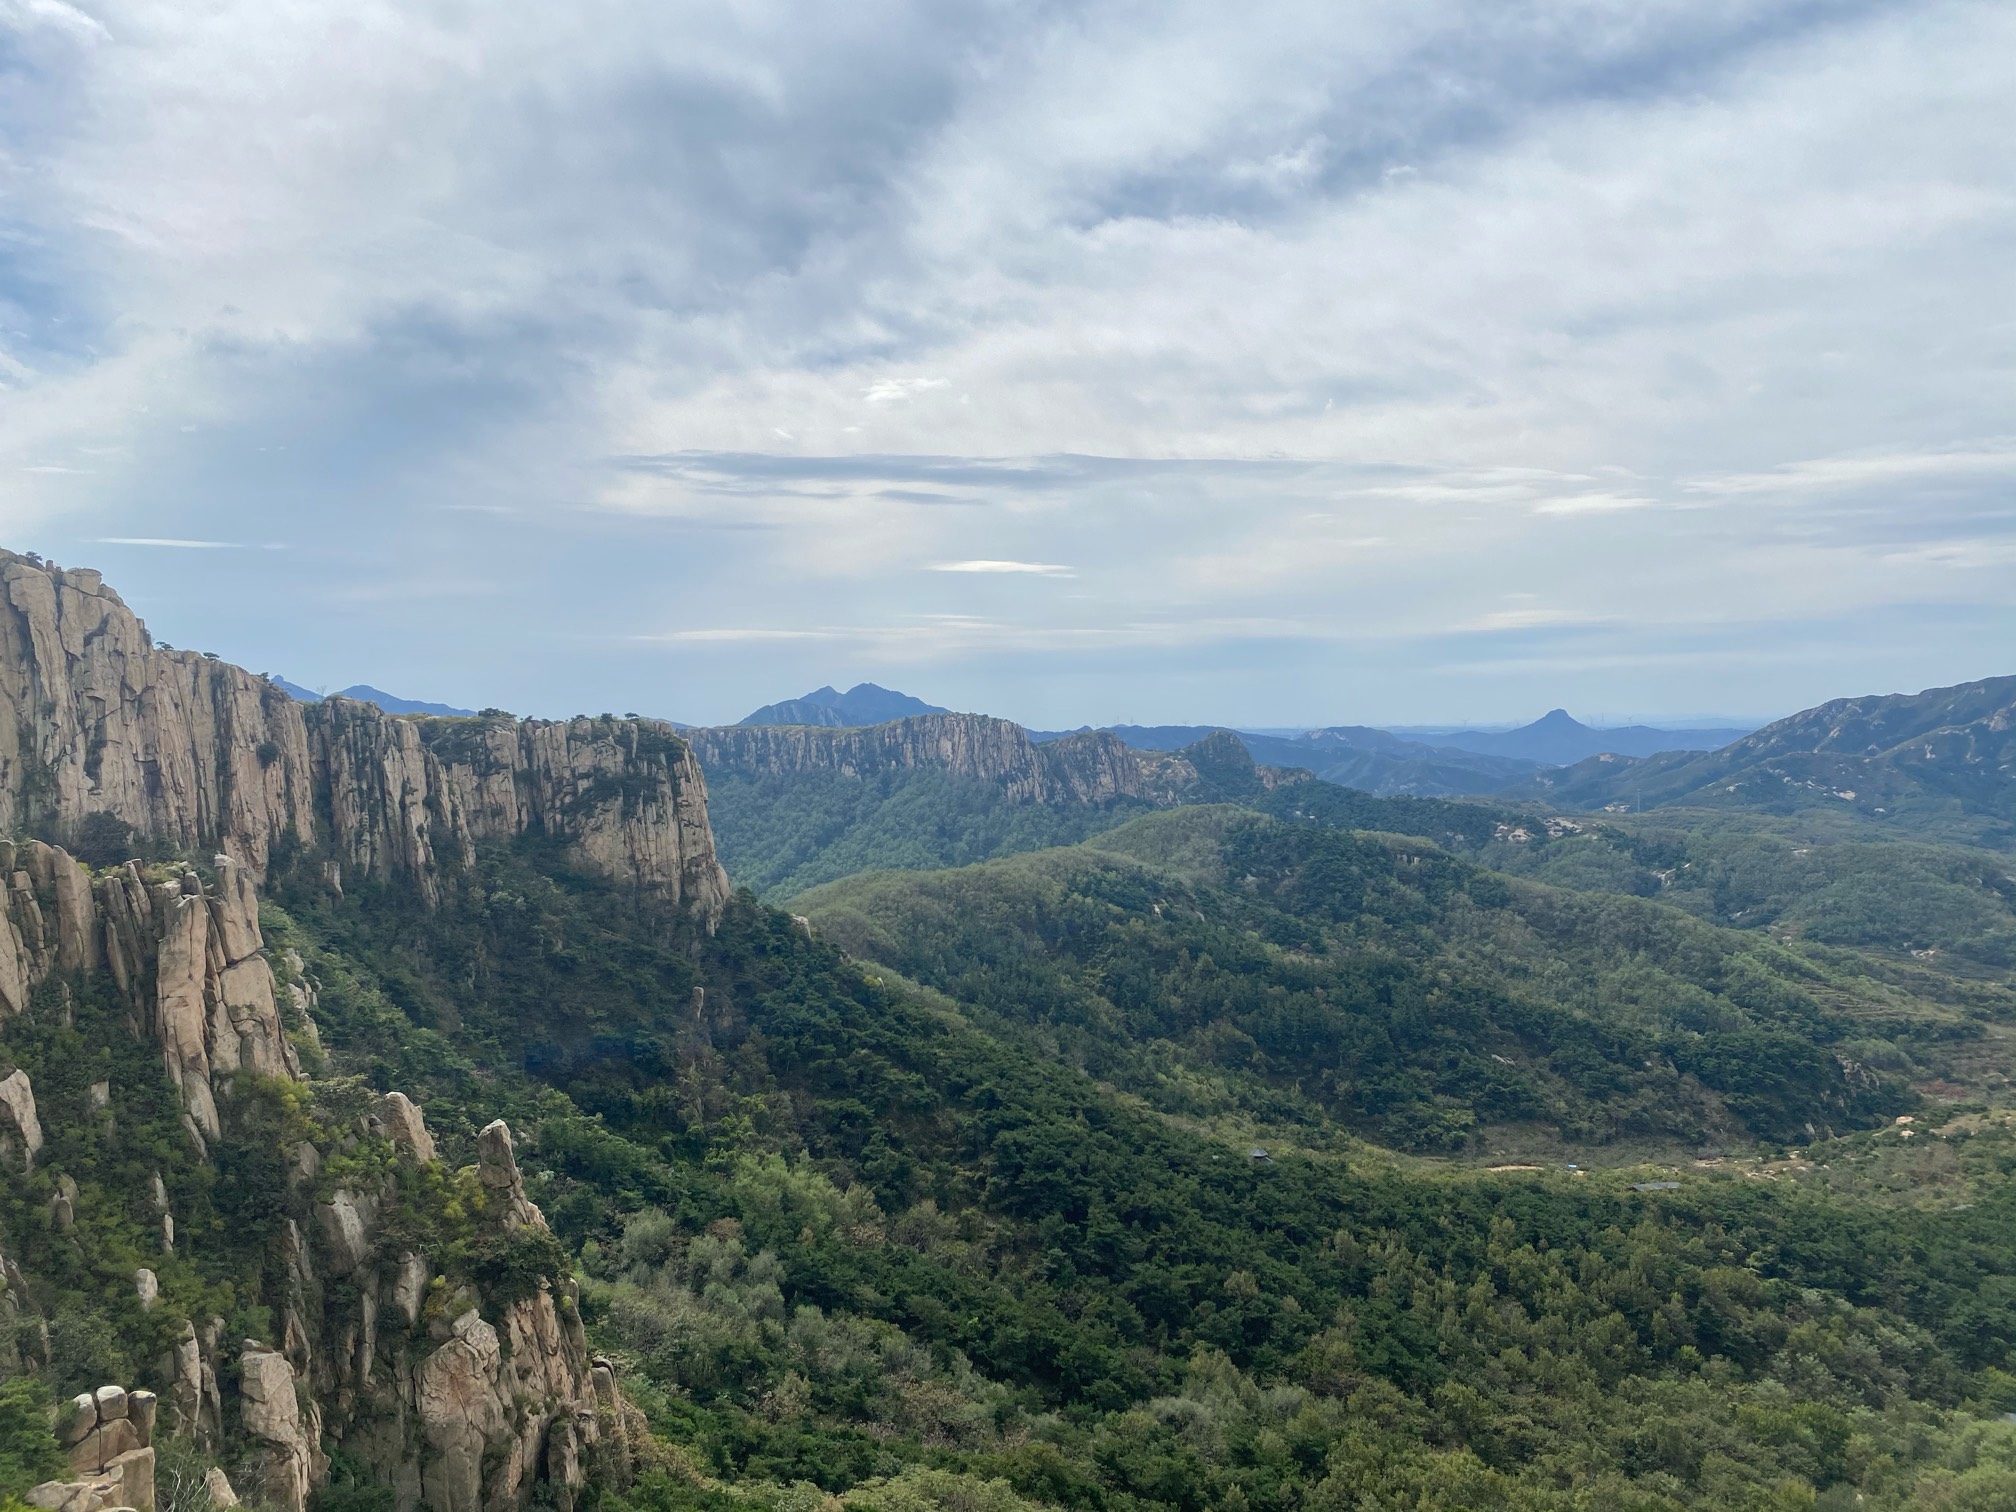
95,718
1090,767
459,1400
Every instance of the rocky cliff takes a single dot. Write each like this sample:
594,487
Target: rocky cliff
465,1384
95,718
1091,767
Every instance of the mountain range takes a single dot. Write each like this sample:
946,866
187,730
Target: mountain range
1379,761
1946,756
391,703
421,1113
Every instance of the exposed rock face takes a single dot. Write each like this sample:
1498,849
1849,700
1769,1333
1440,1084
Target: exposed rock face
1088,768
20,1129
97,719
626,794
405,1126
212,1008
477,1415
271,1415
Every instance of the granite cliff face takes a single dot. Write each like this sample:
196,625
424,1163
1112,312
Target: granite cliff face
1091,767
627,793
460,1399
97,719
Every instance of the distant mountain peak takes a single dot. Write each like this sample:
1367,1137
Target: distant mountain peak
1557,719
865,703
391,703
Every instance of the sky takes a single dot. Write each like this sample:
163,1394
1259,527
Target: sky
1363,361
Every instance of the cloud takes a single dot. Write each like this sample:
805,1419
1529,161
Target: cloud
1826,474
1534,617
182,545
1041,569
1591,503
895,390
1320,326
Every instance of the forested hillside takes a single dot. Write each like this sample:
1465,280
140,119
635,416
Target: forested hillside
1210,960
850,1232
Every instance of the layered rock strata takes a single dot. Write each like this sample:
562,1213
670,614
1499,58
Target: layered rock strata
95,718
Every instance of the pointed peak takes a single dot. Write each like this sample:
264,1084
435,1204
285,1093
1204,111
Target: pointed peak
1557,719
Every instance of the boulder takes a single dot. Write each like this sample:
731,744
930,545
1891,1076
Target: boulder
79,1420
135,1470
462,1413
496,1163
235,910
63,1496
141,1407
147,1285
111,1402
63,1206
102,1445
218,1484
182,1369
497,1169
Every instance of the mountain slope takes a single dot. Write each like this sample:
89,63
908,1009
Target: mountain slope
1944,756
862,704
1377,982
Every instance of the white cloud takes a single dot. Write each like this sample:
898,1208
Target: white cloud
1532,617
1041,569
1591,503
176,543
896,390
1339,318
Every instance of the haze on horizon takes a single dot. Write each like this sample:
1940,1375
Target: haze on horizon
1083,363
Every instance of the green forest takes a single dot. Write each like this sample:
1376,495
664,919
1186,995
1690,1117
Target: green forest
1329,1153
1154,1172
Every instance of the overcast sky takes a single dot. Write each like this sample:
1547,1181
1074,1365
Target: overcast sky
1343,362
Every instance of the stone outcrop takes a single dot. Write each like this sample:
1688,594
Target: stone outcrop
1091,767
20,1128
108,1435
188,953
95,719
271,1417
462,1410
